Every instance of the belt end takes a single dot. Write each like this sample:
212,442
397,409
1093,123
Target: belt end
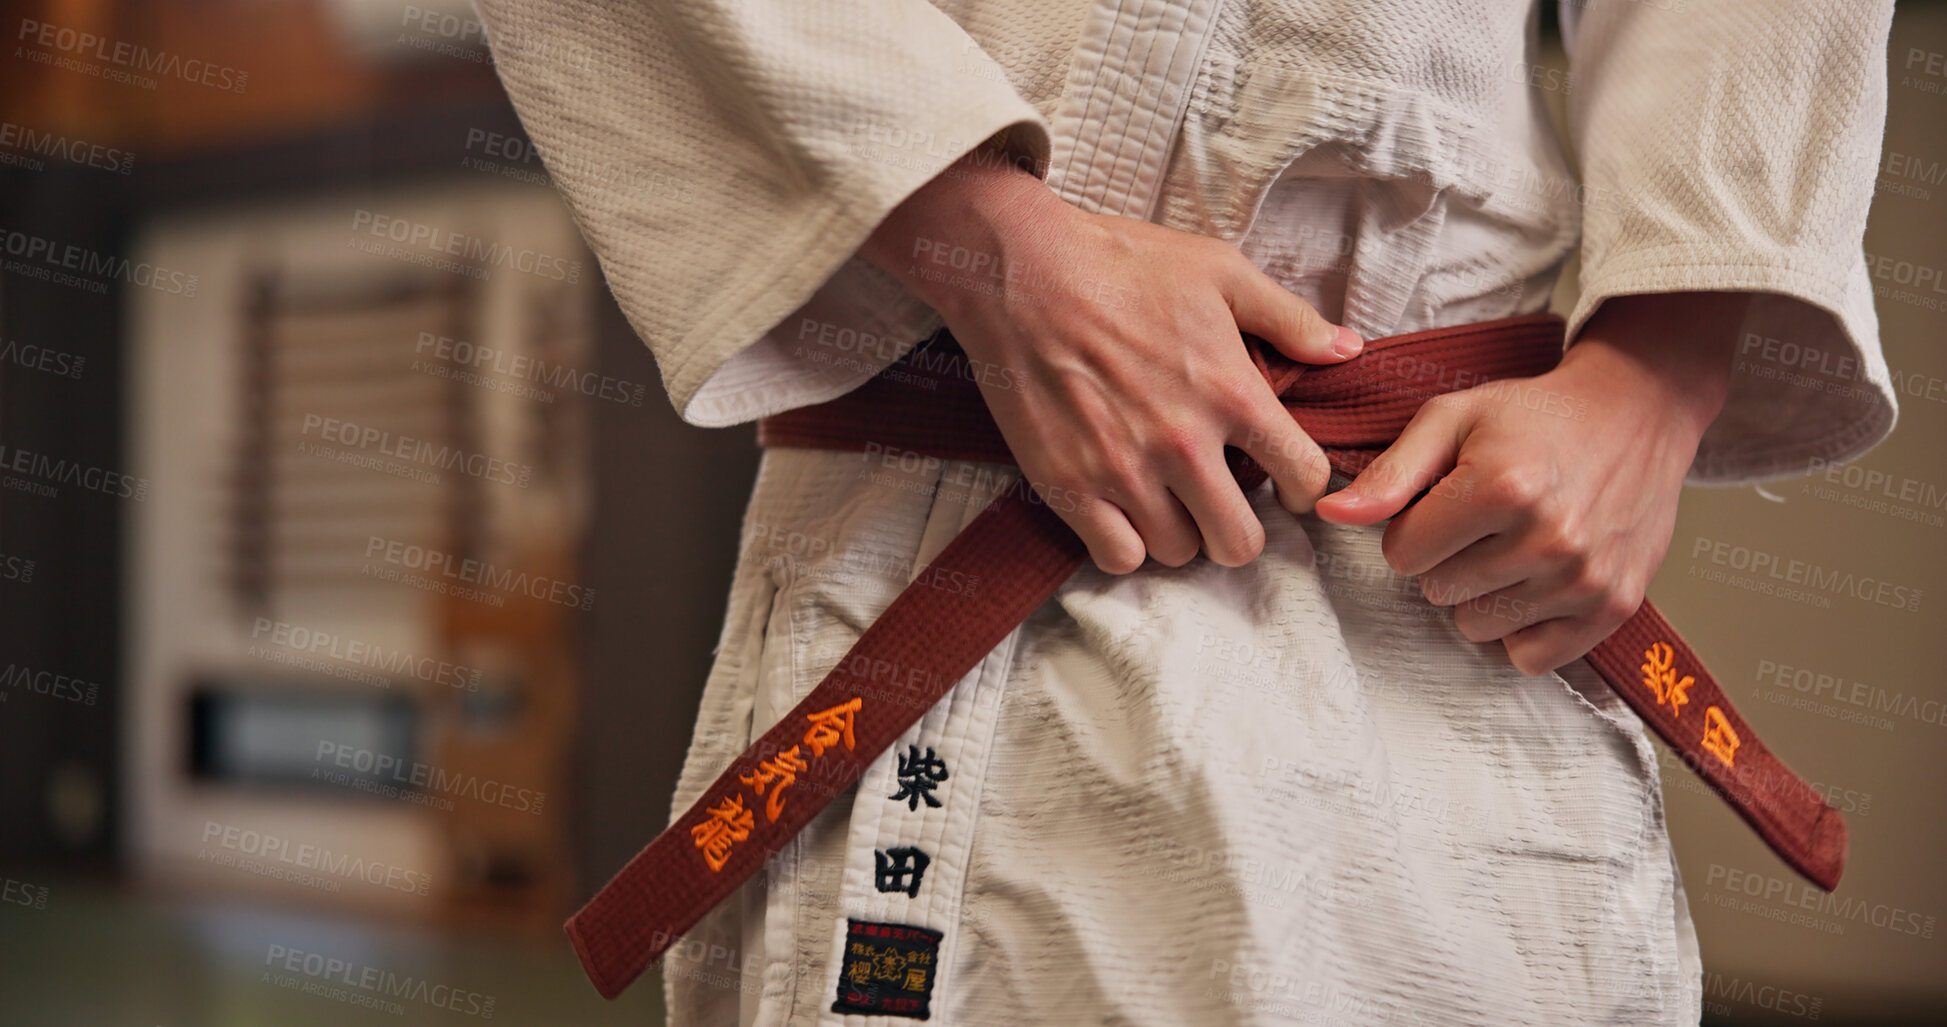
606,985
1825,857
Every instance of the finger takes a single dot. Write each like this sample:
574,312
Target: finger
1232,535
1423,454
1293,460
1266,309
1554,643
1489,565
1168,531
1496,615
1112,541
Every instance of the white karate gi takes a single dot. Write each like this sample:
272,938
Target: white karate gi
1288,792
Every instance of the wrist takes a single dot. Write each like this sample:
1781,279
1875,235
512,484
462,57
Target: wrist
965,223
1675,350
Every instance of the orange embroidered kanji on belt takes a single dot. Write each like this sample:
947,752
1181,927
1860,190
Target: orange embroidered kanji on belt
1021,551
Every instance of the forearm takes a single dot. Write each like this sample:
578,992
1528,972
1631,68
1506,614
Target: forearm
977,216
1675,349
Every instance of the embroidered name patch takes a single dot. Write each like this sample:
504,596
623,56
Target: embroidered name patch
888,969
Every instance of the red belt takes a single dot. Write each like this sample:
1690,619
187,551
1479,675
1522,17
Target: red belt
929,638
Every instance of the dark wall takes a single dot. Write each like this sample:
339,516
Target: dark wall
669,507
60,618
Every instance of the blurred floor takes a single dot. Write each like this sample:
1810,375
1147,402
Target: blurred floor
98,956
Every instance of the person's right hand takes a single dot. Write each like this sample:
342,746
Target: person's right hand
1130,376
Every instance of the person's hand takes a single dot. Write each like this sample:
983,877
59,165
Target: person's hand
1556,495
1128,373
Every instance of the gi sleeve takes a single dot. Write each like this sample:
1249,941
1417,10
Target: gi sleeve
725,159
1732,145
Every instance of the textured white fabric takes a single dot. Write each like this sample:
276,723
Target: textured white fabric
1735,144
725,158
1386,159
1288,792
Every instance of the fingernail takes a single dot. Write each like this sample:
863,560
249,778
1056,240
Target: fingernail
1347,342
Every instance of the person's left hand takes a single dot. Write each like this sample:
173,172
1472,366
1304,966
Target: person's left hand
1556,495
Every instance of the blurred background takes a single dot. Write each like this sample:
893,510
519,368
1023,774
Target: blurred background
359,582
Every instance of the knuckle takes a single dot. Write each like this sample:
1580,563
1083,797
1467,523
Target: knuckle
1614,610
1527,661
1444,407
1307,472
1589,578
1293,457
1303,317
1300,495
1446,403
1213,248
1531,658
1241,393
1441,592
1233,261
1218,260
1180,444
1567,545
1435,590
1472,628
1394,552
1063,492
1174,547
1316,469
1119,560
1122,472
1173,555
1620,604
1515,486
1060,480
1238,542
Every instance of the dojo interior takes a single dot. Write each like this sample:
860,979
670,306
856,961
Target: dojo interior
413,565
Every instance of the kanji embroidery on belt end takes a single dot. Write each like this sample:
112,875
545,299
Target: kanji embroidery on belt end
729,823
1720,739
1660,676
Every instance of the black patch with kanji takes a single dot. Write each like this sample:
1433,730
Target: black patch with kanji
888,969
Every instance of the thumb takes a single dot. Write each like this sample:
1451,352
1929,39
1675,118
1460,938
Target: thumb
1422,455
1266,309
